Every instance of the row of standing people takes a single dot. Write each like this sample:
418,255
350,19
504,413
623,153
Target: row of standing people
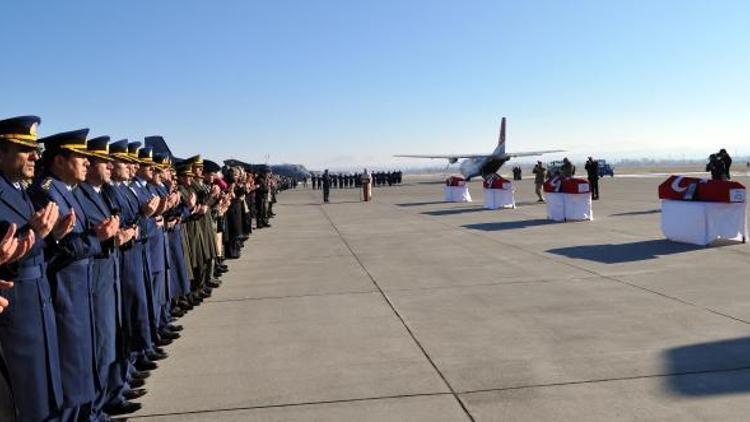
347,181
105,244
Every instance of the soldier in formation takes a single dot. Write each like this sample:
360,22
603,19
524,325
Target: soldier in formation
104,244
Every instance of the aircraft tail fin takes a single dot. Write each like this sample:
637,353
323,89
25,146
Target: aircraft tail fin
501,138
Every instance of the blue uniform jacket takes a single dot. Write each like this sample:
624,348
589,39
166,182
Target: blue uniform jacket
105,283
69,274
28,331
135,314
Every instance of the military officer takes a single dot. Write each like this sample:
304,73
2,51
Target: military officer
136,331
143,185
191,231
104,269
28,330
208,197
78,240
178,271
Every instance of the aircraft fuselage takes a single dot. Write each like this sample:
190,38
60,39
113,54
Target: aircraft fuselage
485,166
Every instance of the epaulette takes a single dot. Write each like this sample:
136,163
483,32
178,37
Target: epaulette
46,184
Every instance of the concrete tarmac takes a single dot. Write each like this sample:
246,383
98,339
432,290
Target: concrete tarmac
412,309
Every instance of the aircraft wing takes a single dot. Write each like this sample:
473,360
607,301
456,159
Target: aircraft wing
532,153
450,157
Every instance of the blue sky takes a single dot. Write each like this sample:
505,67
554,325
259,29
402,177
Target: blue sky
338,83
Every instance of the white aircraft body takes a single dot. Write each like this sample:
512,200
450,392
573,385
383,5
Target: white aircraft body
484,164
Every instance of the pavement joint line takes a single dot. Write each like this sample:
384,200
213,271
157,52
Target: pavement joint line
603,380
283,405
403,322
584,269
403,289
245,299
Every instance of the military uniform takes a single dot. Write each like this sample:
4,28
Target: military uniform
69,273
28,330
105,278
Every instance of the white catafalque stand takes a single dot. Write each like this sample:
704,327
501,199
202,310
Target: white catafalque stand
499,198
700,211
457,193
701,223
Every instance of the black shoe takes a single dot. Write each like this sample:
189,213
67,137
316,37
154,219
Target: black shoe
136,383
140,375
143,364
122,409
213,284
169,335
164,342
175,327
134,394
154,356
178,313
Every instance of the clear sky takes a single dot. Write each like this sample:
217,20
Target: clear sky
335,83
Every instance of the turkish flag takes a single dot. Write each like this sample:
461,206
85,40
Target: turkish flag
681,188
497,182
455,181
573,185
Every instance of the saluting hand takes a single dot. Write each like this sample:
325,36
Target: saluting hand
44,220
65,225
3,301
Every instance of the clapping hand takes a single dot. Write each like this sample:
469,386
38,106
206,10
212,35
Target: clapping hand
44,220
23,246
107,228
3,301
65,225
8,245
150,207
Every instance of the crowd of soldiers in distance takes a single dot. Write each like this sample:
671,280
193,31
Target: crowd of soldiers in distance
103,246
354,180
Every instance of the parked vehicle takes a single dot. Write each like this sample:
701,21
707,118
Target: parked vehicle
605,169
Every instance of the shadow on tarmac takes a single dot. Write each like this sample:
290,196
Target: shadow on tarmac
419,204
625,252
713,361
454,211
508,225
634,213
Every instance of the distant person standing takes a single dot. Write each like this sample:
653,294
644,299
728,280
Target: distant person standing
326,182
716,167
366,186
726,160
314,181
592,170
567,169
539,175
